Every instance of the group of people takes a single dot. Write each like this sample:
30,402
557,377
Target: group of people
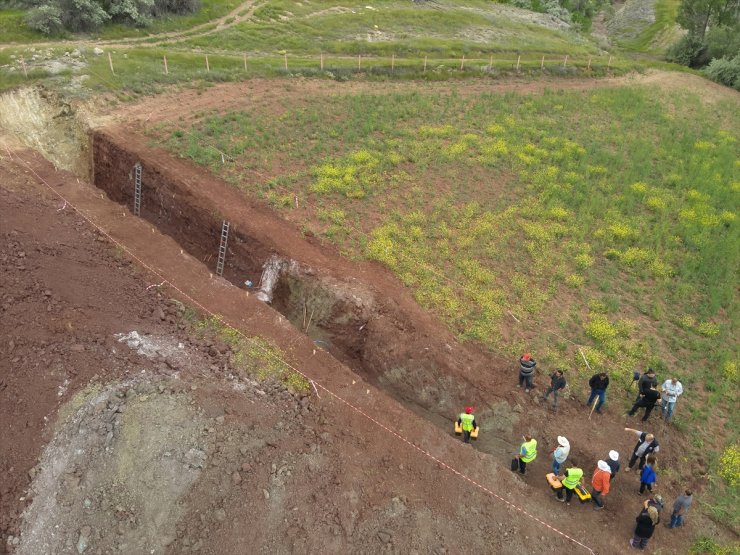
567,477
570,476
648,395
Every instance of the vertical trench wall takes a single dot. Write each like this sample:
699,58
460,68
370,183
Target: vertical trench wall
361,327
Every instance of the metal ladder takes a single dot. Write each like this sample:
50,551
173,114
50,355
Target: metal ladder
137,189
222,248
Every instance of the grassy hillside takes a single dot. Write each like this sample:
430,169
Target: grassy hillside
608,218
400,27
647,26
582,225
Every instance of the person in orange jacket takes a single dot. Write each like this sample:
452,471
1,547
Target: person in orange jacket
600,484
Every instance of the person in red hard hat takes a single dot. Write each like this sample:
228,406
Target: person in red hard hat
526,371
467,423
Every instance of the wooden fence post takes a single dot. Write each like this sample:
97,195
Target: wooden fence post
565,61
23,65
609,65
110,63
359,61
245,61
393,62
425,64
208,66
166,69
589,63
462,62
517,63
285,56
542,64
322,61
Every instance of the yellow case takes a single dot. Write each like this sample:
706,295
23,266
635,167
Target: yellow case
553,481
582,493
474,433
458,428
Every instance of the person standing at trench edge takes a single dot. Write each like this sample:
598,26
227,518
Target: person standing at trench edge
527,453
466,420
598,384
526,371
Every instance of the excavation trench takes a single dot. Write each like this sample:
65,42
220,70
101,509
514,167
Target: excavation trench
359,324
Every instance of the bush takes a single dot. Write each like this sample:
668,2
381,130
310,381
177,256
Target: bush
162,7
52,16
690,50
131,12
46,19
725,71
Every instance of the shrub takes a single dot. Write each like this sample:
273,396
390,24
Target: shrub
729,465
53,16
690,50
46,19
725,71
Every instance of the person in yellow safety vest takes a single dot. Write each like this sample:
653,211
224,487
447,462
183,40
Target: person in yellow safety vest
467,423
527,453
570,479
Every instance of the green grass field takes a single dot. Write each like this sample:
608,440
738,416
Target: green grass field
605,218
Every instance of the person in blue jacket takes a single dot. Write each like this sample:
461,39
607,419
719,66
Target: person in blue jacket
648,477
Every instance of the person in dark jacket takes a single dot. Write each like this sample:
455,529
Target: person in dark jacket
613,462
598,383
526,371
557,384
646,381
646,445
648,400
646,522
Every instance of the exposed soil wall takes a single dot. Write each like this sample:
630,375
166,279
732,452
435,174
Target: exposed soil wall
356,312
41,119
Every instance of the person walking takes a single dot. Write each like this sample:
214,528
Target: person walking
613,462
647,400
646,445
526,371
671,389
646,521
598,383
557,384
569,479
600,484
680,508
648,477
467,422
527,453
560,454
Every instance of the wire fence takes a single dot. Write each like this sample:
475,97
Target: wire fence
125,66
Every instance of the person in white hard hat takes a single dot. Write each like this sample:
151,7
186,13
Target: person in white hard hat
560,454
600,484
613,462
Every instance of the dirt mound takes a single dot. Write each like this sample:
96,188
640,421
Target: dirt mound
115,470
